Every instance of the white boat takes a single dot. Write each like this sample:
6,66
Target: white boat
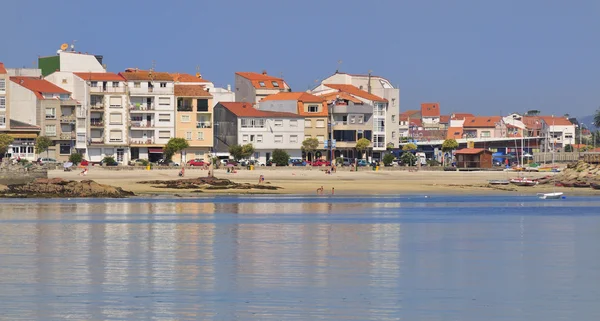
521,181
550,196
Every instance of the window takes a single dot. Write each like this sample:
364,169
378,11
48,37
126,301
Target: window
164,134
293,123
65,149
360,119
164,118
164,101
278,123
293,138
96,100
252,138
50,113
202,105
252,123
307,123
393,118
2,84
116,136
2,121
245,138
320,138
185,118
115,102
261,83
259,138
64,80
188,135
200,136
278,138
313,108
50,130
136,85
485,134
320,123
393,135
275,84
2,102
116,119
94,84
568,136
163,85
352,119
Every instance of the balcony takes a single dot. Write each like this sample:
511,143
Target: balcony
203,124
141,124
96,123
97,107
185,108
68,136
96,140
107,89
141,141
141,91
141,108
351,109
50,116
69,119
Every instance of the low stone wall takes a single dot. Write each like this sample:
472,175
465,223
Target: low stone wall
19,174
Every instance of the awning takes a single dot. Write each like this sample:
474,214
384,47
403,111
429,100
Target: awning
23,135
155,150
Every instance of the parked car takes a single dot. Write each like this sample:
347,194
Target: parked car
297,162
254,162
320,162
362,162
232,162
104,163
197,162
347,161
162,162
46,160
138,162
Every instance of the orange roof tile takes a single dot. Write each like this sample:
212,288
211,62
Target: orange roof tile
556,121
430,110
298,96
38,86
247,110
444,119
460,116
410,112
99,76
532,122
263,81
416,122
454,133
353,90
471,151
2,69
182,77
481,121
323,113
136,74
191,91
343,96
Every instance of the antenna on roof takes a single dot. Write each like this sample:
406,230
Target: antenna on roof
73,45
198,74
152,70
339,62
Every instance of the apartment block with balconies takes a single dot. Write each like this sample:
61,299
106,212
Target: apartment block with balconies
4,99
252,87
151,103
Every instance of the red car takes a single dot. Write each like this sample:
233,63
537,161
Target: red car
197,162
84,163
320,162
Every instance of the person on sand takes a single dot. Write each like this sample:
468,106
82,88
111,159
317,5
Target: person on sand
182,172
320,190
261,179
84,172
332,190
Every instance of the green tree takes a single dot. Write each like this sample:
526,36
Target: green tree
42,143
388,159
280,157
362,145
247,151
310,145
5,140
448,146
409,147
236,152
408,158
175,145
569,148
75,158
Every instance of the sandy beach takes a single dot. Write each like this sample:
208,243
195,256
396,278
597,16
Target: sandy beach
306,181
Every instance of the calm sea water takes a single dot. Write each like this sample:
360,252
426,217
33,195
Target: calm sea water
301,258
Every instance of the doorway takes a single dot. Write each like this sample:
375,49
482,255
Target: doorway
120,152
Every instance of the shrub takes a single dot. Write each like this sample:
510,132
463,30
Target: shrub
388,159
408,158
280,157
75,158
109,160
432,162
339,161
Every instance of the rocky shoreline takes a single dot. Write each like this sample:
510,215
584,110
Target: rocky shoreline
202,184
580,174
60,188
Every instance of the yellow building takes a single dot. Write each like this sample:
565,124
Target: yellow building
193,121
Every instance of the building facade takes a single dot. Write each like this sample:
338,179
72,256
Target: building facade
193,121
251,87
4,99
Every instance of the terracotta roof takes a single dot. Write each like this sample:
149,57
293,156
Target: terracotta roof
2,69
470,151
38,86
556,121
332,96
263,79
182,77
353,90
416,122
15,124
191,91
430,110
454,133
481,121
298,96
99,76
460,116
532,122
410,112
136,74
247,110
444,119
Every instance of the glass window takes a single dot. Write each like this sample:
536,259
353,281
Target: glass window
94,84
164,134
307,123
261,83
116,136
293,138
50,113
245,138
136,85
275,84
164,85
320,138
2,121
115,102
50,130
278,138
200,136
278,123
65,149
163,118
259,138
188,135
164,101
313,108
116,119
115,84
2,102
185,118
293,123
320,123
2,84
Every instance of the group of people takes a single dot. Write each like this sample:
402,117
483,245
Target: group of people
321,190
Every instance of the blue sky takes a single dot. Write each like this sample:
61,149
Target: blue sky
477,56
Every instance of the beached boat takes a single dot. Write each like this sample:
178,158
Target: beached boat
550,196
581,184
522,181
595,186
498,182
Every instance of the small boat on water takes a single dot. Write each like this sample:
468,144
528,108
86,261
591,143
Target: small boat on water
523,181
498,182
550,196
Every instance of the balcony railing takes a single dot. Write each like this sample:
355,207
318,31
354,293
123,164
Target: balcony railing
67,119
96,123
185,108
50,116
141,124
96,140
68,136
141,107
97,107
141,141
107,89
203,124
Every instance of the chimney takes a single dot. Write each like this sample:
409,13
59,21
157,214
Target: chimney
369,85
228,87
264,72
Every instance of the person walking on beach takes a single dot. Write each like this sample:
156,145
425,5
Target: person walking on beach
320,190
332,190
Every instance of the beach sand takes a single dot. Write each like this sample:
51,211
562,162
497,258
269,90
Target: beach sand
306,181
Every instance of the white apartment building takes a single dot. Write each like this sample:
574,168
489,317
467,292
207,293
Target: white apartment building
558,131
252,87
4,99
241,123
151,112
389,109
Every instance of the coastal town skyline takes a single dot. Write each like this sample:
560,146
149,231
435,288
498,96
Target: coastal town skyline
485,58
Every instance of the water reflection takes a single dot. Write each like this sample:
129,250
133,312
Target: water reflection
242,259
